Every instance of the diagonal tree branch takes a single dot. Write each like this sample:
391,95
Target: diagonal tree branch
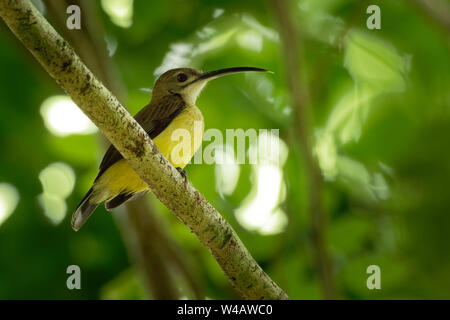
437,10
150,247
61,62
292,53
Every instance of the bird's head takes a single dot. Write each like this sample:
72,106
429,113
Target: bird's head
188,82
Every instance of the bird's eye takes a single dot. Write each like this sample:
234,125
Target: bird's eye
181,77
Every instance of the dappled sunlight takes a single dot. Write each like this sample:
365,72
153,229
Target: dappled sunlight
376,68
349,114
374,63
206,32
227,170
270,149
215,42
9,198
58,181
326,152
62,117
223,31
319,23
367,185
265,96
218,12
182,54
260,211
111,45
177,57
55,208
263,87
119,11
266,32
251,40
275,223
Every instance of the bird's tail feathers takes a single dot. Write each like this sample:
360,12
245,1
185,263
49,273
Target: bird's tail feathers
83,211
122,198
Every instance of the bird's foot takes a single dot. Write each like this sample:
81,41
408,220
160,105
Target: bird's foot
183,174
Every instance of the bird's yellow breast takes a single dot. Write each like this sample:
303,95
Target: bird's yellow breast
178,143
182,138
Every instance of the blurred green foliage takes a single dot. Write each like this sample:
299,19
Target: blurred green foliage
381,108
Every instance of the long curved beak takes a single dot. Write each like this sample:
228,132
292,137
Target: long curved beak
222,72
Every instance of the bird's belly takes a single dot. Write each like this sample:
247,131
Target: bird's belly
178,143
119,178
182,137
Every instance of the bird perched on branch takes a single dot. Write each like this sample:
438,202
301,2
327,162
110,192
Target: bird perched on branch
172,107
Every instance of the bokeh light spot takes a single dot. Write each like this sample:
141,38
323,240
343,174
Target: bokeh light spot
250,40
9,198
62,117
227,172
58,181
260,211
54,207
218,12
119,11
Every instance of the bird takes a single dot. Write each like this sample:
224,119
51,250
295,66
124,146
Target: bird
172,106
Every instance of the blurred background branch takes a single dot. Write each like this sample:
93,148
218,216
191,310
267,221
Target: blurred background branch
293,59
437,10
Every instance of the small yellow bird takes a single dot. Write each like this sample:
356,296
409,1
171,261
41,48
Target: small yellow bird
172,107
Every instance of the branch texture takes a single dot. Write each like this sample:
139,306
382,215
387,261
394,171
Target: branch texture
103,108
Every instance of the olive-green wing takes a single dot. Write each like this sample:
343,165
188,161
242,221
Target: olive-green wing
153,118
